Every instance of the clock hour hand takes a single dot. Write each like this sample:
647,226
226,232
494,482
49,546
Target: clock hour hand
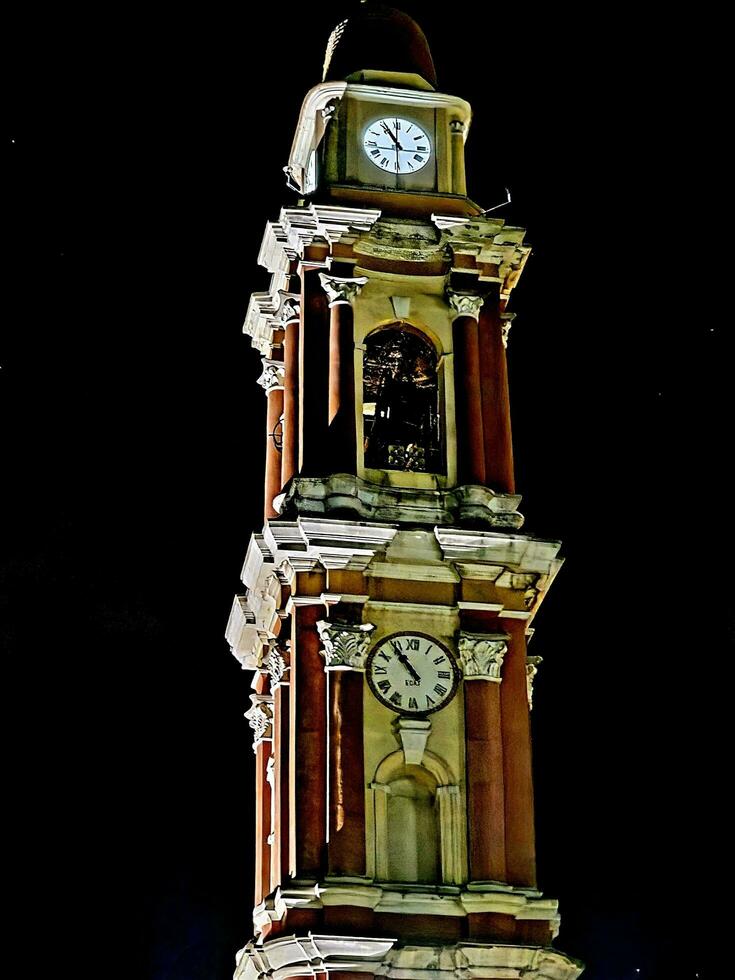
408,665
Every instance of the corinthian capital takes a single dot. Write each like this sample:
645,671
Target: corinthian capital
272,376
345,645
341,290
532,664
482,655
465,304
260,718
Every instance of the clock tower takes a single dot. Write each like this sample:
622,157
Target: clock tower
390,597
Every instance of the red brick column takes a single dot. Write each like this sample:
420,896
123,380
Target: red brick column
308,745
290,454
272,453
520,844
495,400
468,401
485,788
346,774
313,374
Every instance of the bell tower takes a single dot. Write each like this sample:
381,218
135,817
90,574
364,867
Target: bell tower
391,594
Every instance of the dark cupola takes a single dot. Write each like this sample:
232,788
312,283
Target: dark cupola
380,45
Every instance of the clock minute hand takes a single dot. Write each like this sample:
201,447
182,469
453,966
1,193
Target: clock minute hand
408,665
394,138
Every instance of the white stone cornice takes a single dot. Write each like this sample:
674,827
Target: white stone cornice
465,304
517,551
340,290
271,378
260,718
481,655
497,250
345,645
532,666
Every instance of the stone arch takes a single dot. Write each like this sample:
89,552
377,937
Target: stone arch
402,418
418,822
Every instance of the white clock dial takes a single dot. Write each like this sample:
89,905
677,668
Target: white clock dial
397,145
412,673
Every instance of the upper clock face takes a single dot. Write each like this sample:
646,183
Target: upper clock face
397,145
412,673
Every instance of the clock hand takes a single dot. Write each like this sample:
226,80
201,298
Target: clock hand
408,665
394,138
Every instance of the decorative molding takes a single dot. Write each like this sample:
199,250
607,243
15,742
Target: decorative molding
345,645
272,375
412,735
481,655
340,290
370,501
486,248
532,666
465,304
260,718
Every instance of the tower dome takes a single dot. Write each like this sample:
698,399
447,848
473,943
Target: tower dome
379,44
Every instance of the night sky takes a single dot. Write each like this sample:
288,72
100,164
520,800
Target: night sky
143,158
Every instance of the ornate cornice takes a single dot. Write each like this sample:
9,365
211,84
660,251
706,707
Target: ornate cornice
345,645
341,290
465,304
481,655
532,666
369,501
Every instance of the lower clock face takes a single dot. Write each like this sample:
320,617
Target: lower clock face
412,673
397,145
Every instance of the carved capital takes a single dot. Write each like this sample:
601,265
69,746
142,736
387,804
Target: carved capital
290,309
481,655
506,322
272,376
260,718
532,665
341,290
277,662
345,645
465,304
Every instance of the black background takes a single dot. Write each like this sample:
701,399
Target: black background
143,159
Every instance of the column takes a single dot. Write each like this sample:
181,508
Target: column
260,718
308,745
467,393
345,649
341,293
290,453
495,400
271,381
459,184
482,657
313,375
277,664
520,845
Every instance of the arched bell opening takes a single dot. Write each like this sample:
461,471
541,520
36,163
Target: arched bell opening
402,423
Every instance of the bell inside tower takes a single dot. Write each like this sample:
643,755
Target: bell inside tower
401,415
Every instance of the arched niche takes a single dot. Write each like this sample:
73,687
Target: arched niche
418,822
401,401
